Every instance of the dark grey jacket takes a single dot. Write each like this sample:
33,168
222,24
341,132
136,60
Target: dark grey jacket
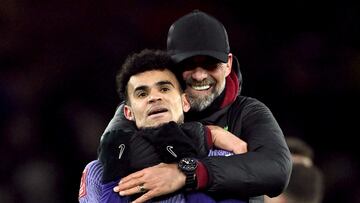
265,168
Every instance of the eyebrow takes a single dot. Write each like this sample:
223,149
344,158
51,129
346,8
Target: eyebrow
160,83
165,82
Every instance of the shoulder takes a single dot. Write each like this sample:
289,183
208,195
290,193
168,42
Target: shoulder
249,104
92,173
120,122
90,185
250,111
248,101
94,168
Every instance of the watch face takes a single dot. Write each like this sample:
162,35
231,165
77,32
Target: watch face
188,164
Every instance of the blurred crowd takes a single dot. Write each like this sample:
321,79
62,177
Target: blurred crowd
57,82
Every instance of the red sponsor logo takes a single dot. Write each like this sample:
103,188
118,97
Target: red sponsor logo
82,190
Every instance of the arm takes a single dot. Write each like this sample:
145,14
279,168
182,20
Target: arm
265,169
225,140
166,178
149,147
121,153
114,153
173,141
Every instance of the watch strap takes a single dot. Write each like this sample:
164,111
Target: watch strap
191,180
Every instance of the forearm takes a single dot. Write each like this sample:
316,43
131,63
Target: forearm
223,139
265,169
245,177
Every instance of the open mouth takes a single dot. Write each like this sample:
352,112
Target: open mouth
200,87
157,111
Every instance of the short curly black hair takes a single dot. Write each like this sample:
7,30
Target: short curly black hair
145,60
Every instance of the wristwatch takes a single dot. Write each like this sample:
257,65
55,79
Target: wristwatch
188,167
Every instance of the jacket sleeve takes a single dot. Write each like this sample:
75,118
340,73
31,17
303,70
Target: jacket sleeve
122,152
173,141
265,168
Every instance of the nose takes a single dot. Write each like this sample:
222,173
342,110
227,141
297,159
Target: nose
154,97
199,74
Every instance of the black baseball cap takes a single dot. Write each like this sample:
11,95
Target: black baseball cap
198,33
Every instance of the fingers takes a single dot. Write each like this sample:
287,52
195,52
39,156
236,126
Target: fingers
130,184
225,140
154,181
241,148
143,198
148,194
142,188
136,188
130,187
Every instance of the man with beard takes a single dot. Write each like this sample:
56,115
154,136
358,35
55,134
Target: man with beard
199,44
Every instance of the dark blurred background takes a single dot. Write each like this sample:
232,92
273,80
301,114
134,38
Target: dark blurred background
58,61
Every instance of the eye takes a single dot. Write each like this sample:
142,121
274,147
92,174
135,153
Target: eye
211,65
141,94
164,89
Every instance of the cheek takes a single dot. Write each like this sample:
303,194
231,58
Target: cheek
218,75
138,110
177,105
186,75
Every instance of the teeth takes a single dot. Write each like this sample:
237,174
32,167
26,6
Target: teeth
202,87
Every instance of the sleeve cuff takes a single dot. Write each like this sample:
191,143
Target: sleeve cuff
202,176
209,137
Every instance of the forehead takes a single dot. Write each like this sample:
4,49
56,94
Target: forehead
151,78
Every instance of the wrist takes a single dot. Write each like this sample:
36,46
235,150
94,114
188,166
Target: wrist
202,176
188,167
209,137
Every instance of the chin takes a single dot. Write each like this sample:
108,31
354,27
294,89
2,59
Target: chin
159,122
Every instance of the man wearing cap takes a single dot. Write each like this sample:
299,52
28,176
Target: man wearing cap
199,44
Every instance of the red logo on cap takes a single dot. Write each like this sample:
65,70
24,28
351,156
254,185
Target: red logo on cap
82,191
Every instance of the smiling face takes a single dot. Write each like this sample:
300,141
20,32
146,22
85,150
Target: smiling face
205,80
154,98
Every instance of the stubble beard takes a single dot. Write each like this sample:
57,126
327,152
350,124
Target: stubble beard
200,102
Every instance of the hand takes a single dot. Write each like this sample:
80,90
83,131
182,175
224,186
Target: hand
171,134
156,180
225,140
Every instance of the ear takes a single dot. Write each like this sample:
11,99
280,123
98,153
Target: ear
229,65
128,113
185,102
